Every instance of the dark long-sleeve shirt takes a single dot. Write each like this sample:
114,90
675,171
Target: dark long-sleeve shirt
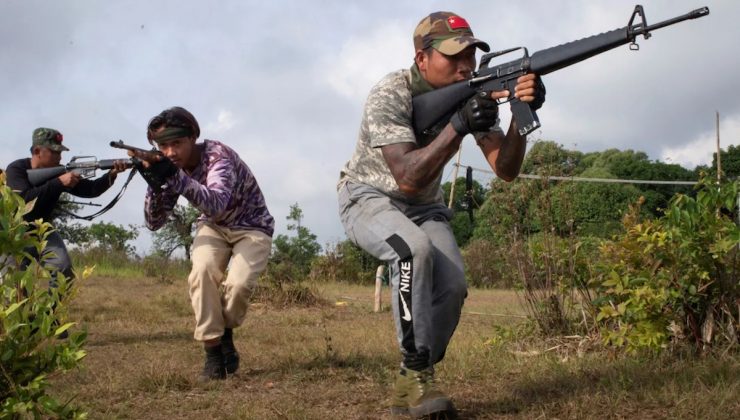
47,194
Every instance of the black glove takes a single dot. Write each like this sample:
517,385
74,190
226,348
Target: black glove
539,95
478,114
164,168
157,173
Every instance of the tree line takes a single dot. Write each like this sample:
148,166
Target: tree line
622,261
485,216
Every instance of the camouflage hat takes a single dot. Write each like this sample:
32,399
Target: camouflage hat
447,33
49,138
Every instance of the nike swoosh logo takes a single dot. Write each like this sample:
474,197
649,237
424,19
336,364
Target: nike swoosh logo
406,313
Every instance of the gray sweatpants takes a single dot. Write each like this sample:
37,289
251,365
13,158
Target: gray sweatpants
427,278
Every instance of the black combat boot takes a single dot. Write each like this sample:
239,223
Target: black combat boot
231,356
214,367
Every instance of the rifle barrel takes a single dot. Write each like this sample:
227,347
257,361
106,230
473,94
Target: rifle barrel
121,145
108,163
555,58
694,14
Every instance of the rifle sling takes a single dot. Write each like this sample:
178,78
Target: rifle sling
107,206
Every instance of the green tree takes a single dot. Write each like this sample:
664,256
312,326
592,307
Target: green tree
519,206
464,198
505,210
299,249
74,233
629,164
109,237
730,160
551,159
593,209
177,232
64,223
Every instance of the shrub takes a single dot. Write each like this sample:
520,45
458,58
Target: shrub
674,278
554,273
344,262
32,317
166,270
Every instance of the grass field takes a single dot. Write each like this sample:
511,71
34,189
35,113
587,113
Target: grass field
337,361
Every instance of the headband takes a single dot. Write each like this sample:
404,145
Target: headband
170,133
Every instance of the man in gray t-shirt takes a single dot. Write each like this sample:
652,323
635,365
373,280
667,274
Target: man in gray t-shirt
390,201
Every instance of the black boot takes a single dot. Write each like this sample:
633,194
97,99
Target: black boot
214,367
231,356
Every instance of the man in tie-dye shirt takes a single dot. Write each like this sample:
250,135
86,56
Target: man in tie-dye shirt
235,226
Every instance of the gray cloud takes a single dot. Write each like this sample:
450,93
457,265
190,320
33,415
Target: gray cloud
284,82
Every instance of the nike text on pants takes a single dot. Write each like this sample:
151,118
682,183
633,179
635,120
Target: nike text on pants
427,278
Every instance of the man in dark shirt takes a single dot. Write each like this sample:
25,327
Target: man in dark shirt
46,152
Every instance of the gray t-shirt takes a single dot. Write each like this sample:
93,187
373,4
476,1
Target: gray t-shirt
387,119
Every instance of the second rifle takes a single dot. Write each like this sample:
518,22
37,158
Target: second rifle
85,166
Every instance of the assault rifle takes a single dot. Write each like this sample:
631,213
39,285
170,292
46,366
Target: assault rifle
85,166
438,105
154,180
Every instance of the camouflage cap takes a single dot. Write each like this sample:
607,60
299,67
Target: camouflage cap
49,138
447,33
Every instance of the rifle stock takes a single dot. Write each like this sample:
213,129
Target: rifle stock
438,105
38,176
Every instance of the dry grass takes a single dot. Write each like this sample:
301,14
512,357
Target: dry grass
338,362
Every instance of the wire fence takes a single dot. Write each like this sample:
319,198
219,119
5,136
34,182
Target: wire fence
581,179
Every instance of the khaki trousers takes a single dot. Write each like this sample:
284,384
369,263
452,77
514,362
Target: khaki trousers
220,303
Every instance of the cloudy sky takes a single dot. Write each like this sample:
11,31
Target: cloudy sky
284,82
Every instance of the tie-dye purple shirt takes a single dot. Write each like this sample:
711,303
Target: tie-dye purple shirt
222,187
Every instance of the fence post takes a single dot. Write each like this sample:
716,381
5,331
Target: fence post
378,287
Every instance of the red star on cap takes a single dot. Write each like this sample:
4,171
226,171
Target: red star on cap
456,22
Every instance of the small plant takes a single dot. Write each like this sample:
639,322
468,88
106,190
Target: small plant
32,319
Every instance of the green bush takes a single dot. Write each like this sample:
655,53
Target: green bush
676,278
32,317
